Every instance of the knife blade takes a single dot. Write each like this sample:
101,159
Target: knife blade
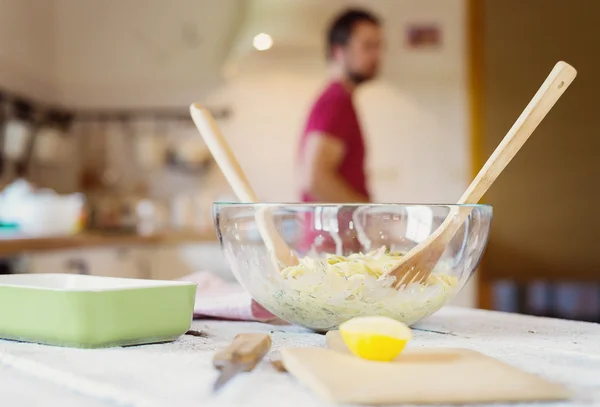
242,355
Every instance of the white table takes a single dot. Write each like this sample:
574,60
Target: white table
180,373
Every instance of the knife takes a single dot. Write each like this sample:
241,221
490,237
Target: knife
242,355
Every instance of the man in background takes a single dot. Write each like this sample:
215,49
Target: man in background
332,149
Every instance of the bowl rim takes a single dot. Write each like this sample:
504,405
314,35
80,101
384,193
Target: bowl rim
347,204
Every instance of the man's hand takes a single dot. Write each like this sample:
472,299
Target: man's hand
319,172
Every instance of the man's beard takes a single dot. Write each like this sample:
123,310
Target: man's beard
357,78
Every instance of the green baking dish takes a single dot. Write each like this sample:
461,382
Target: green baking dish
93,312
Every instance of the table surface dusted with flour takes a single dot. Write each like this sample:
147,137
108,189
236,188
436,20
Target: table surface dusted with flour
181,374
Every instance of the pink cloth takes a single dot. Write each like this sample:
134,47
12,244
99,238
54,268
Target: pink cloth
217,298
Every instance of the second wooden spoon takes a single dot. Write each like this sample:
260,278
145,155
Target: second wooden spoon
418,263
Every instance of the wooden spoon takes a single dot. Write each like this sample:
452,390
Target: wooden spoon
418,263
229,165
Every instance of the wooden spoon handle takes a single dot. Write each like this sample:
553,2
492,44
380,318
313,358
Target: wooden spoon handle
551,90
222,153
281,253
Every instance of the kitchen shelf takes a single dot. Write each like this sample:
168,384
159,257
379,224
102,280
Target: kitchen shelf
14,244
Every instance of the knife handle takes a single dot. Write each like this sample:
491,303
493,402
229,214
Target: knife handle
246,350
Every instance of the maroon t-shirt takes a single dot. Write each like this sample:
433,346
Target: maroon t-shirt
333,114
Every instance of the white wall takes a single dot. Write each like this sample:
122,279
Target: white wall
27,59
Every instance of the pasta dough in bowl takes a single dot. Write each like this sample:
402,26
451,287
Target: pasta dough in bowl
344,253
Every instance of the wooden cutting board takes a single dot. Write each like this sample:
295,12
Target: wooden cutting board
417,376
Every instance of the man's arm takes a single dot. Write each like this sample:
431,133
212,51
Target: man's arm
319,172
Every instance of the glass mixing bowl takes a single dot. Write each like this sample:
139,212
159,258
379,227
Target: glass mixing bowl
343,252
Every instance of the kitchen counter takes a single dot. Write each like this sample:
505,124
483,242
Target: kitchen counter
180,373
14,244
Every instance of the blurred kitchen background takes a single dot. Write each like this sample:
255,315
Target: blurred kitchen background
94,98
